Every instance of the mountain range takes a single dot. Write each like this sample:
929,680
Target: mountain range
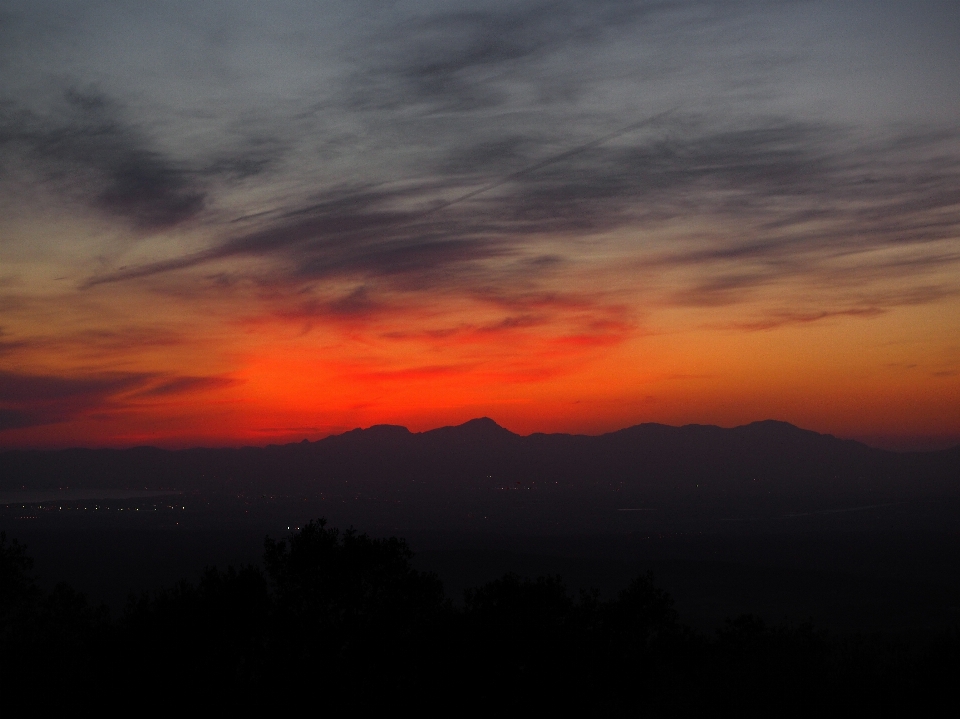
763,461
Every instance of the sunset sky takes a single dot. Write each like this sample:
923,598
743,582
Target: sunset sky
230,223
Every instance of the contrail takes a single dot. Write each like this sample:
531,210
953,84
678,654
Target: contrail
566,154
225,250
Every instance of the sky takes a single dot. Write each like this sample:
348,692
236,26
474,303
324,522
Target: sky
229,223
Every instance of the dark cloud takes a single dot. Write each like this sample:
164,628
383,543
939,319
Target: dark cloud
19,388
254,156
352,308
120,338
512,323
89,343
803,195
776,320
357,302
499,155
464,59
679,174
353,236
28,400
7,345
17,418
460,200
187,385
865,304
85,145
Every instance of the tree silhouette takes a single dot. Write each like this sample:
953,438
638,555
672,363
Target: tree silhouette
214,633
43,636
351,611
18,589
346,618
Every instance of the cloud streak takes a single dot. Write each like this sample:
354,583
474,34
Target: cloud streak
803,198
30,400
85,145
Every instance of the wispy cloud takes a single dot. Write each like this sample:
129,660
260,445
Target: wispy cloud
187,385
472,57
774,320
29,400
86,145
804,195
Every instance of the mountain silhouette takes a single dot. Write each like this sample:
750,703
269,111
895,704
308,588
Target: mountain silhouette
766,461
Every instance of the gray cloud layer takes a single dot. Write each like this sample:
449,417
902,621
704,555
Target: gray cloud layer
802,197
85,145
422,146
87,148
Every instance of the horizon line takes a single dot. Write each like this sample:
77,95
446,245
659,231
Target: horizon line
946,442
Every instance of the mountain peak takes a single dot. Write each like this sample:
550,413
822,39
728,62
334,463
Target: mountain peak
773,424
481,422
377,431
479,428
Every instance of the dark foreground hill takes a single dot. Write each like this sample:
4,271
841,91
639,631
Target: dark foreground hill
346,622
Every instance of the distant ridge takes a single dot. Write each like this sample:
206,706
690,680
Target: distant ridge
760,460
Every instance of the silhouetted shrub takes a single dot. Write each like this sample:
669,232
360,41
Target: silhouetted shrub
18,590
351,615
191,637
54,639
518,634
345,619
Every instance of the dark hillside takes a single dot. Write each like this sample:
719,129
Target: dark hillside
756,460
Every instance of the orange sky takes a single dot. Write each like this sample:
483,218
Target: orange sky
179,370
236,228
